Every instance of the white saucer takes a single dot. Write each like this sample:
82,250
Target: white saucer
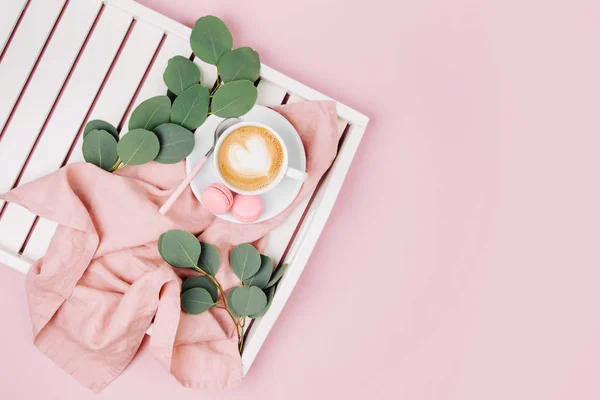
277,199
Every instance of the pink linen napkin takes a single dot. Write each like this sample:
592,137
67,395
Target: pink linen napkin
102,282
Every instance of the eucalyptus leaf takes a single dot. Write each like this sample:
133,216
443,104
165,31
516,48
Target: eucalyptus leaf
101,126
176,143
138,146
234,99
245,261
151,113
230,302
202,282
210,39
100,148
248,300
261,278
270,293
196,300
180,74
277,275
239,64
209,259
179,248
190,108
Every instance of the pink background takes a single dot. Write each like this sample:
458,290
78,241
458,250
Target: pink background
463,259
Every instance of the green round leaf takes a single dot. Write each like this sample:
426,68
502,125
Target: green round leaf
138,146
196,300
176,143
270,293
210,39
179,248
245,261
261,278
277,275
190,108
101,126
209,259
230,302
100,149
151,113
234,99
248,300
239,64
201,282
180,74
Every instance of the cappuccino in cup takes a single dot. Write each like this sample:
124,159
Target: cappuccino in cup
251,158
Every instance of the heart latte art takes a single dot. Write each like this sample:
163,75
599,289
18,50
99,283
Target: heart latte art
250,158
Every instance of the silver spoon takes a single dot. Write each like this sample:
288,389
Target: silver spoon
222,127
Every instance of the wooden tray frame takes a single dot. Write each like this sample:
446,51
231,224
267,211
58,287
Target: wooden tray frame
23,64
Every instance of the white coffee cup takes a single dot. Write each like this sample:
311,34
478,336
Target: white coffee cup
285,170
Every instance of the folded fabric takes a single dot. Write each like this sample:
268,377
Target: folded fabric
102,281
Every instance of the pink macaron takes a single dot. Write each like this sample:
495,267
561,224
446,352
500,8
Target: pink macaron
217,198
246,208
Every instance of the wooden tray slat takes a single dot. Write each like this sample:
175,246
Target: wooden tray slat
270,94
279,238
8,19
21,55
40,238
208,75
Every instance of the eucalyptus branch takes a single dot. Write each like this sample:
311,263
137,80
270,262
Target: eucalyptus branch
241,342
116,165
223,297
203,291
216,86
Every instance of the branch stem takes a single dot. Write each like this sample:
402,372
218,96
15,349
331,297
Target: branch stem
239,327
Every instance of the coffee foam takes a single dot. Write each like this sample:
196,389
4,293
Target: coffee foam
250,158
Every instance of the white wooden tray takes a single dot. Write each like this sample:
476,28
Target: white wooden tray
64,62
